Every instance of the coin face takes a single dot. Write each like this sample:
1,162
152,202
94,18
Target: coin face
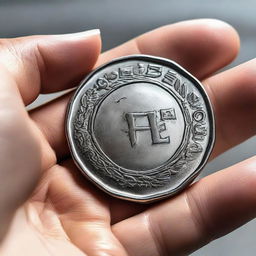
140,127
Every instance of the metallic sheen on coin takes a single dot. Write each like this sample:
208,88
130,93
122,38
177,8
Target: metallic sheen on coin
140,127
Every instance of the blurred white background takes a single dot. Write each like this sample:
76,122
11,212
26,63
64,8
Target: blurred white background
122,20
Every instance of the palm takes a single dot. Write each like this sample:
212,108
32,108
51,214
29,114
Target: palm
67,215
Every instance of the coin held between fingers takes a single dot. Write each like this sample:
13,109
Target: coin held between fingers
140,127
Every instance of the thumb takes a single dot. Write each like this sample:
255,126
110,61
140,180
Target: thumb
49,63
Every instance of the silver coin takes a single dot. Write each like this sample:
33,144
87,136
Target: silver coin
140,127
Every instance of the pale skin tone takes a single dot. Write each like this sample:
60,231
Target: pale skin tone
49,208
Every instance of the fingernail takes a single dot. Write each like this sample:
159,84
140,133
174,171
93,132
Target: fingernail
80,35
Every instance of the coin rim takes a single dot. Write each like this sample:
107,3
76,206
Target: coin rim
166,192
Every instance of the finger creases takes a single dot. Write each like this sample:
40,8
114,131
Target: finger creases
201,46
209,209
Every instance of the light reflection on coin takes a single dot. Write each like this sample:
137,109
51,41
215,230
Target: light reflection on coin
140,127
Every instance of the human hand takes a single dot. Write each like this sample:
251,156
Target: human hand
66,214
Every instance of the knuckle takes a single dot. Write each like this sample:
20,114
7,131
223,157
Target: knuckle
17,50
20,57
8,46
202,226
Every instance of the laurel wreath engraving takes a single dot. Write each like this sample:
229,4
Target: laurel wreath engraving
129,178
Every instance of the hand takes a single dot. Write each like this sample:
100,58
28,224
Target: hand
66,214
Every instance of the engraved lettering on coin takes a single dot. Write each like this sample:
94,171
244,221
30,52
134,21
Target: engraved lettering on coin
154,71
139,69
199,132
101,83
154,128
199,115
168,114
126,72
170,77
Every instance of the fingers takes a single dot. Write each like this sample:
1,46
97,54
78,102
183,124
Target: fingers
201,46
209,209
49,63
198,45
233,94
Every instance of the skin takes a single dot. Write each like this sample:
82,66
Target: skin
48,208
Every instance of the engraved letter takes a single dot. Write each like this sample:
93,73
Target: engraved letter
126,72
170,78
153,127
139,69
101,83
111,76
168,114
154,71
199,116
193,100
199,132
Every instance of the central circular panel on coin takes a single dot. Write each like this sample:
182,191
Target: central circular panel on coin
139,126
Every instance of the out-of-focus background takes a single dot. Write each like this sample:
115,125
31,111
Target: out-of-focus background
120,20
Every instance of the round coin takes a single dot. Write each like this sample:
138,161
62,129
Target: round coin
140,127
